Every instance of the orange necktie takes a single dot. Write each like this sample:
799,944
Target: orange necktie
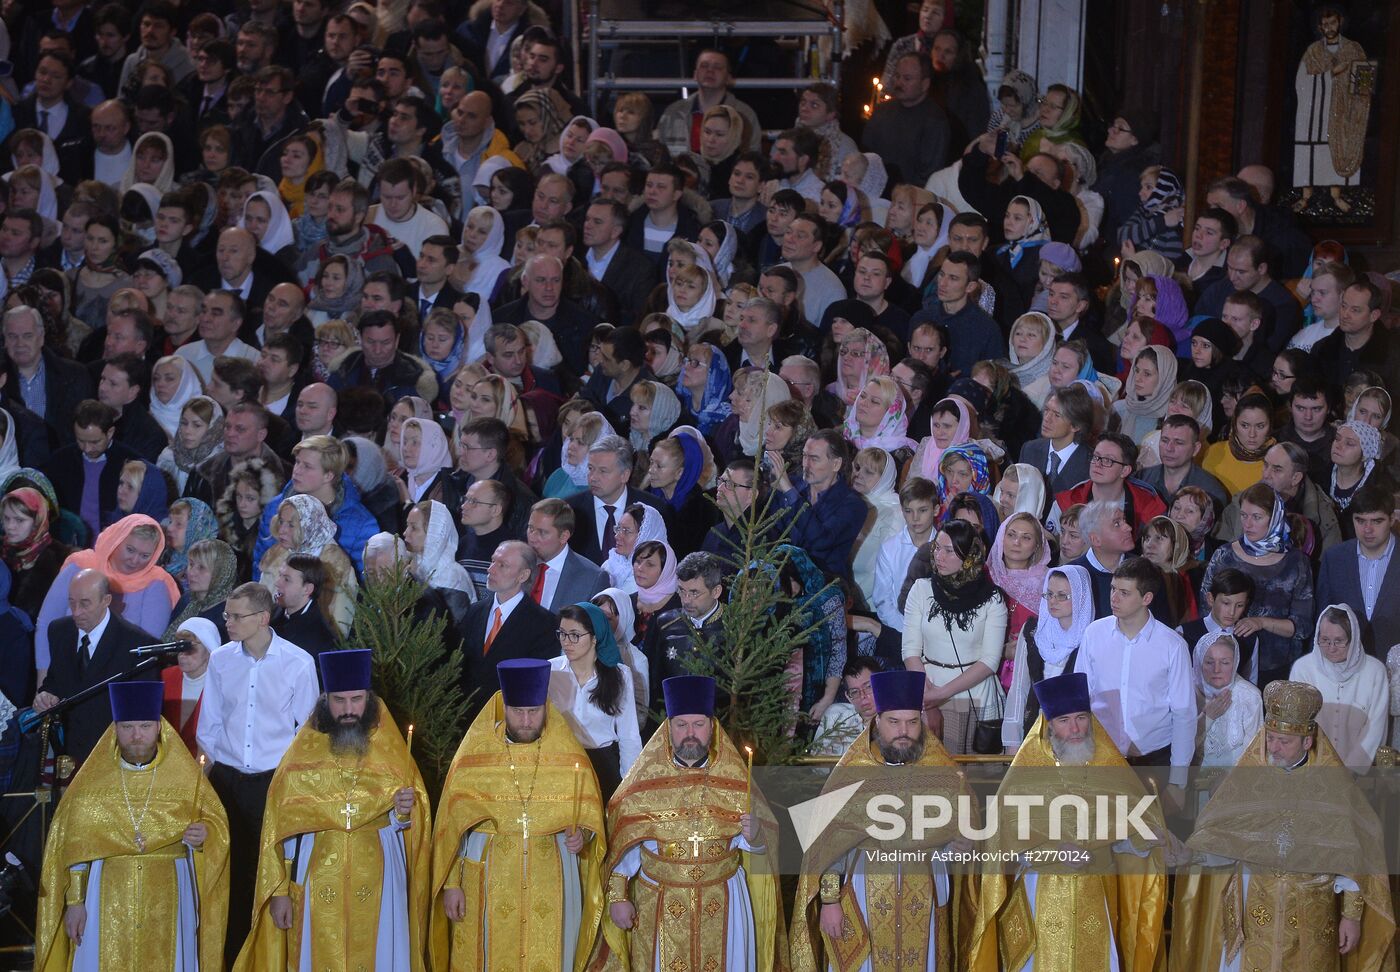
491,635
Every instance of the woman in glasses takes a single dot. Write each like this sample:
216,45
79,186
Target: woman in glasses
597,699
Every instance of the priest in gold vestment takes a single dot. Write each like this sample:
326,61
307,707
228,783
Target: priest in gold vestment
518,849
875,915
1098,904
1308,887
135,871
690,887
344,865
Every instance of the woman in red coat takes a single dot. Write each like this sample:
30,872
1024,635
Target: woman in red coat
184,683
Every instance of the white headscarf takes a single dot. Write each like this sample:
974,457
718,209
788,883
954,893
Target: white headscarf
889,520
165,180
724,258
489,262
557,162
544,350
1030,494
1242,720
1355,694
625,632
202,628
48,195
774,390
476,334
619,566
1342,672
168,413
1053,641
703,309
437,565
386,541
279,224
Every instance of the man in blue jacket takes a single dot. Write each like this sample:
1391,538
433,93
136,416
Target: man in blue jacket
827,513
318,469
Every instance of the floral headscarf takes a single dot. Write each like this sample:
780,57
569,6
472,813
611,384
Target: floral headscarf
1037,232
223,578
1054,642
202,525
1370,439
850,207
110,541
714,407
317,528
1024,584
892,433
22,556
876,363
976,457
1017,127
449,365
1276,540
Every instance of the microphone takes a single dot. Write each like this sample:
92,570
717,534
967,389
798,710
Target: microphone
181,647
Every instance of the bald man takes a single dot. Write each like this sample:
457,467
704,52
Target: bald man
88,646
470,140
1261,179
283,313
111,154
246,269
316,408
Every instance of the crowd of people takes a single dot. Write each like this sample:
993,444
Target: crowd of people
298,293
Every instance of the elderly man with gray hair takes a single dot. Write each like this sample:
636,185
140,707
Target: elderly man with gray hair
609,495
542,299
1109,533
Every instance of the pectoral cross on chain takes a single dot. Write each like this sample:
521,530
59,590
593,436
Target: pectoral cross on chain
695,841
350,810
524,821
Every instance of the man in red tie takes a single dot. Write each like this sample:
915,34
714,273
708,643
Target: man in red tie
507,625
564,575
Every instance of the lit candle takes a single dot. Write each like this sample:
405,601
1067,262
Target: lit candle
198,781
748,802
578,791
410,739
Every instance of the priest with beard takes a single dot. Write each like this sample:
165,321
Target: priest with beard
1097,904
1308,888
518,848
343,868
135,871
875,913
690,881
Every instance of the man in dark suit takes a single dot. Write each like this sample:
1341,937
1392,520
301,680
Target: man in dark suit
506,625
677,635
241,267
1363,573
72,135
206,90
565,576
625,271
48,385
96,453
436,257
298,617
542,300
89,647
608,497
1062,451
491,32
481,452
1068,299
125,378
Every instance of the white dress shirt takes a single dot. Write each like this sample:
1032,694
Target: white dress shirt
56,116
253,707
600,516
1142,689
598,266
94,636
551,576
197,353
593,727
891,565
505,607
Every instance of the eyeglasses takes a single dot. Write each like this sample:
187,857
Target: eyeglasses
694,362
726,481
1050,104
240,617
476,502
859,692
327,343
1120,129
1099,460
853,352
624,531
571,637
1055,598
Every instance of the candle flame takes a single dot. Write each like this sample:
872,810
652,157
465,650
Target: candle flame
201,760
749,750
875,81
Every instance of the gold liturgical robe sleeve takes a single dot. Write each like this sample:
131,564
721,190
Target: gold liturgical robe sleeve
92,823
309,795
517,890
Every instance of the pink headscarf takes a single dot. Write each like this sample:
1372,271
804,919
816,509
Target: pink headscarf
612,140
665,585
1024,584
928,467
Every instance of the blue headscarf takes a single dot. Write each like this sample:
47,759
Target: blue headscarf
448,367
817,601
991,519
690,470
6,608
1276,540
976,457
715,407
203,525
605,642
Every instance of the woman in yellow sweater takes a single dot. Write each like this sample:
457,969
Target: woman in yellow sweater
1238,462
